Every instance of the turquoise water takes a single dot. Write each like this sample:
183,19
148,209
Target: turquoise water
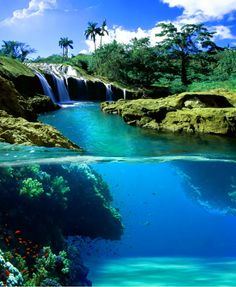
176,195
101,134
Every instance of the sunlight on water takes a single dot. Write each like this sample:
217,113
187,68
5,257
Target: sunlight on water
141,271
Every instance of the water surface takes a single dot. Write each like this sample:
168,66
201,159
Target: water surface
176,195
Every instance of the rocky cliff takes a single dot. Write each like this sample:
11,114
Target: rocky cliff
20,103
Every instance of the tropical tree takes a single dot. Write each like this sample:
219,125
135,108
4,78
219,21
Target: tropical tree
110,61
65,44
103,31
16,50
181,43
91,32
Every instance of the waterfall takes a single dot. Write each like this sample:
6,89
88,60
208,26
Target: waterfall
46,87
63,93
124,93
108,93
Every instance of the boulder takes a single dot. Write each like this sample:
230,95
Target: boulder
20,131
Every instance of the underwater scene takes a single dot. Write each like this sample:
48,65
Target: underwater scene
136,208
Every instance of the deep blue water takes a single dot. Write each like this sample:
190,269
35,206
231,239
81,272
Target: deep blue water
176,195
177,202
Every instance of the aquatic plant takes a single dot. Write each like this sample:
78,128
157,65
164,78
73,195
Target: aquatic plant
31,188
50,266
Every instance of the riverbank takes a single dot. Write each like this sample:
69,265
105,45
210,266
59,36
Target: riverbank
197,112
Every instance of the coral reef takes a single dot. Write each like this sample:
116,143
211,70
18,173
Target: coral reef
9,275
67,200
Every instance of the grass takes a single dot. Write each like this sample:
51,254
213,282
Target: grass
13,68
229,85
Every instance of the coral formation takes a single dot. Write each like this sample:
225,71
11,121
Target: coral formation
9,275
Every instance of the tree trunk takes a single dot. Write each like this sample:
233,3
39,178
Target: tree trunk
184,78
95,48
101,41
66,52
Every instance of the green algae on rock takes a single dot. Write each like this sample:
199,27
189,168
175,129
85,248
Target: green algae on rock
20,131
213,113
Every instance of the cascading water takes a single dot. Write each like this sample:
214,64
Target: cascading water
124,93
46,87
63,93
109,93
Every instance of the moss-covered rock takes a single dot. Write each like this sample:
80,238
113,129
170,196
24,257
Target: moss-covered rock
20,131
19,106
202,120
11,68
189,112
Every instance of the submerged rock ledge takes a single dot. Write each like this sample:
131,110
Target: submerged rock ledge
211,113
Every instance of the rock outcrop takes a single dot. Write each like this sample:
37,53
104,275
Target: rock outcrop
20,131
212,113
20,106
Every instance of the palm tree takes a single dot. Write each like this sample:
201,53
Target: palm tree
65,44
91,32
16,50
103,31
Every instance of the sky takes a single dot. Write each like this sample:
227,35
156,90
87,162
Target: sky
41,23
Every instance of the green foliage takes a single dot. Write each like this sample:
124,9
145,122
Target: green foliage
31,188
134,64
229,85
225,67
81,61
190,40
47,266
109,61
16,50
53,59
50,266
11,68
142,63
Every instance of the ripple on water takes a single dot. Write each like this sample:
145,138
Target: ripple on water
141,271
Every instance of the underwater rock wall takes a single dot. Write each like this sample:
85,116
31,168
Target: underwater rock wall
40,206
68,200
